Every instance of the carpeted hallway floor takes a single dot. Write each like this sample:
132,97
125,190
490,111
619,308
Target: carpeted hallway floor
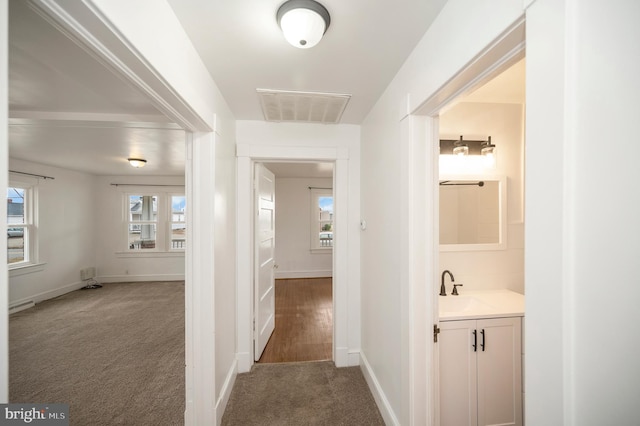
116,355
303,393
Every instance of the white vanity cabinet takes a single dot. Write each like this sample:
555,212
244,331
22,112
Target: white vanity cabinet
481,372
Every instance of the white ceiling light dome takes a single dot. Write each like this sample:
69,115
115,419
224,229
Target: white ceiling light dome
303,22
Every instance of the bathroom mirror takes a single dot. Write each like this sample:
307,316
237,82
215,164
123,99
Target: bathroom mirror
472,213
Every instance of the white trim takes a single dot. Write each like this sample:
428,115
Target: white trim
304,274
150,253
50,294
4,165
26,268
225,391
382,402
505,50
140,277
247,154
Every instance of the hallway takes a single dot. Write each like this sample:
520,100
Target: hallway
304,321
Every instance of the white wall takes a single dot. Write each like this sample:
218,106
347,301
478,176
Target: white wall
387,339
582,89
114,263
581,208
293,236
479,270
66,233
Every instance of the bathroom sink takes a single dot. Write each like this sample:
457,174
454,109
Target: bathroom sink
451,304
481,304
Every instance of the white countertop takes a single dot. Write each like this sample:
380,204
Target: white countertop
481,304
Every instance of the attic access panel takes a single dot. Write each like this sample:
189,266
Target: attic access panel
306,107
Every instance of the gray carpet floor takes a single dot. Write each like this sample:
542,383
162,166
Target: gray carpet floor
297,394
114,354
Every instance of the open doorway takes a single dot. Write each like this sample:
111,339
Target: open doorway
302,271
481,236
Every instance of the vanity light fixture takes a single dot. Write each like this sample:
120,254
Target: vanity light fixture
303,22
488,151
460,148
137,162
464,147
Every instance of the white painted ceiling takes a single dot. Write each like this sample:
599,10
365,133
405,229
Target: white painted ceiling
68,110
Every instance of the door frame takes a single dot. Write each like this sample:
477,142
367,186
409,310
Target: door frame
421,136
247,156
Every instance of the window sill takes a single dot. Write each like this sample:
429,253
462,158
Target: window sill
149,254
25,269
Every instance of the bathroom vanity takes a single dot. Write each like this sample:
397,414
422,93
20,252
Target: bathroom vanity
480,358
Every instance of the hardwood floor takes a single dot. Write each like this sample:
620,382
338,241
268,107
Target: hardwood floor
304,321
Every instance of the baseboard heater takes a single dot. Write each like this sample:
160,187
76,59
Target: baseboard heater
21,307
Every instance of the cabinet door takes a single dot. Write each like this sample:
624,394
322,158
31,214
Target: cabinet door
499,372
458,402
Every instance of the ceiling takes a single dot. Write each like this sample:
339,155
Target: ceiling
68,110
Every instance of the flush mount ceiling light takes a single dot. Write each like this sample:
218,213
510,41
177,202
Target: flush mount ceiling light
303,22
137,162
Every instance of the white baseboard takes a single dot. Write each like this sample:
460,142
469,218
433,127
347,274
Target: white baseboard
244,362
382,402
341,357
225,392
353,358
49,294
138,278
303,274
17,307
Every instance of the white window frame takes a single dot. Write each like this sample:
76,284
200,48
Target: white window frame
30,224
162,222
129,222
315,221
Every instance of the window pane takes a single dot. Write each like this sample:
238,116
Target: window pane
15,244
142,236
143,208
177,236
16,233
15,205
325,221
326,208
178,226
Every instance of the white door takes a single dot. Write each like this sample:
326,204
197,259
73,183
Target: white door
264,282
458,374
499,372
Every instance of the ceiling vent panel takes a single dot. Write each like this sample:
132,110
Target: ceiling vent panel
305,107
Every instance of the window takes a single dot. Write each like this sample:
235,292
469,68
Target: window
20,224
178,224
143,221
155,222
321,219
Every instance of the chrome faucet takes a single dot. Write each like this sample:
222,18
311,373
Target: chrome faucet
443,290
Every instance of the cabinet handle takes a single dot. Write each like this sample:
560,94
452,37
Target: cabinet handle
475,340
483,339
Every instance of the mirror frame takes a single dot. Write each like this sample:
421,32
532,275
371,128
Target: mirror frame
502,211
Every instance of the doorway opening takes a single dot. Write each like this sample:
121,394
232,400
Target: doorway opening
301,269
481,236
